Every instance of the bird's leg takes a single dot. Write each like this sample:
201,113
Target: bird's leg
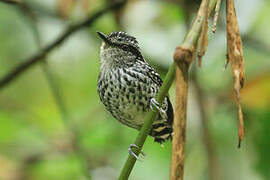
154,103
133,154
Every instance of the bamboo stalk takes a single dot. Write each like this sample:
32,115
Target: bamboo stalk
190,42
130,162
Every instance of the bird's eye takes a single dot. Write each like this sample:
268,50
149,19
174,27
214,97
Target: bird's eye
125,47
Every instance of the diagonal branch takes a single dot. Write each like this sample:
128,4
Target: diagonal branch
82,156
151,116
11,1
22,6
56,91
188,44
27,63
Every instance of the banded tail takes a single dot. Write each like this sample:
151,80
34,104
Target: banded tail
162,129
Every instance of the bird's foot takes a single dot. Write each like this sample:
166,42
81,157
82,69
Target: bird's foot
140,158
154,103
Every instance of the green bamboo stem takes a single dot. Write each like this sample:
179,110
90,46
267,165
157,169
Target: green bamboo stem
151,116
188,43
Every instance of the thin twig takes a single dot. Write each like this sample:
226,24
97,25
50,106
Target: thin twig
76,149
57,94
44,51
56,91
10,1
54,87
204,34
22,6
214,28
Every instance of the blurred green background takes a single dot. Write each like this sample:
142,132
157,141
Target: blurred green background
39,141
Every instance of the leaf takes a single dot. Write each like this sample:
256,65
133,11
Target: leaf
235,57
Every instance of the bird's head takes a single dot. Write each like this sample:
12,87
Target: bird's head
119,49
119,40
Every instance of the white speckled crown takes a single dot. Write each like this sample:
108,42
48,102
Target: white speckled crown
123,37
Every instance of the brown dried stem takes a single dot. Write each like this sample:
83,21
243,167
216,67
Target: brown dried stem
183,57
204,34
235,57
214,28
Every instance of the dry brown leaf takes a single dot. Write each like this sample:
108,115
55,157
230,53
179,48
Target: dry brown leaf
235,56
214,28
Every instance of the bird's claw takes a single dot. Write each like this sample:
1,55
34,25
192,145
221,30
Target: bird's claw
133,154
153,102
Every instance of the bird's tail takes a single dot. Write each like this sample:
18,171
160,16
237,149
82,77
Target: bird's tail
162,130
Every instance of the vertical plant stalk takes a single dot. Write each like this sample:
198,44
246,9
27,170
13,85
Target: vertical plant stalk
214,28
183,57
59,101
204,34
180,115
27,11
235,57
207,137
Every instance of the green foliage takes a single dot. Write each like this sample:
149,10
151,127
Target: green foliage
261,141
36,143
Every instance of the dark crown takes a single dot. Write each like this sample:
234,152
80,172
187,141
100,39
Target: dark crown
123,37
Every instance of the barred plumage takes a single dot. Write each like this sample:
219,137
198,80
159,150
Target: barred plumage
127,83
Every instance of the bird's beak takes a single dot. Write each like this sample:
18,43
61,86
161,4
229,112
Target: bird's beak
103,36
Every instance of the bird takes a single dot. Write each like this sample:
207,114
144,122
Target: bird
127,85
